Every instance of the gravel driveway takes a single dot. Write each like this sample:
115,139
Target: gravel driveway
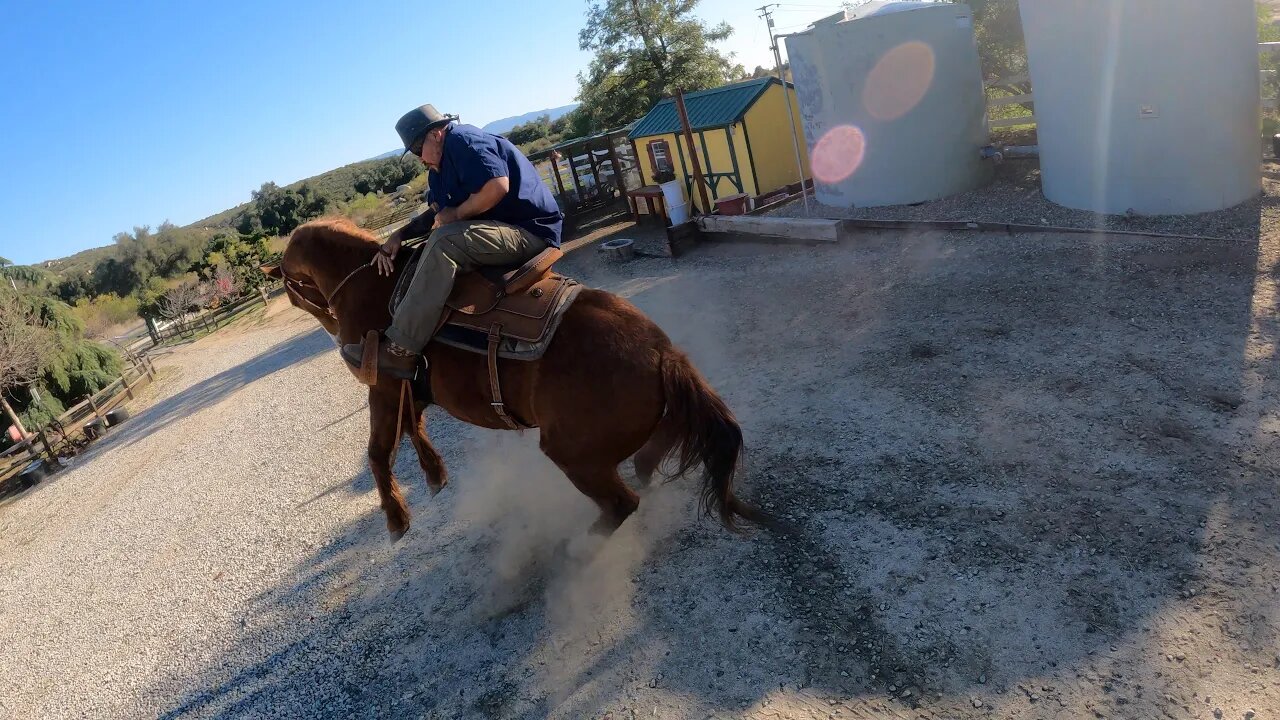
1032,476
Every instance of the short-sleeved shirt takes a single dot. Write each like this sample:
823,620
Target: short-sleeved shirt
473,157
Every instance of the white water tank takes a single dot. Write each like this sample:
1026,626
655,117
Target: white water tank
892,103
1150,106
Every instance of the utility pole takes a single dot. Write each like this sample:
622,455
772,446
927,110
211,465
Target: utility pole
767,15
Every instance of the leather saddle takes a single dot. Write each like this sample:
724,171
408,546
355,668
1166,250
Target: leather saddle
516,301
493,305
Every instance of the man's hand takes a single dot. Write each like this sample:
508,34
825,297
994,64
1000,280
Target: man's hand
384,260
445,216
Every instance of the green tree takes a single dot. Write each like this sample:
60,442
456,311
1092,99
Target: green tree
645,50
277,211
526,133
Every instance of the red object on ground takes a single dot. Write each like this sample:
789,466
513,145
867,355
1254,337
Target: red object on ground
735,204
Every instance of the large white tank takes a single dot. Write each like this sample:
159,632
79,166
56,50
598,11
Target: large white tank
1150,106
892,102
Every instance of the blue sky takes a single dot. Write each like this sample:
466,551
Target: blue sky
123,114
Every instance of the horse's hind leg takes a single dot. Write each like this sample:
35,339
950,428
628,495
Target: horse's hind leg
602,484
649,457
430,460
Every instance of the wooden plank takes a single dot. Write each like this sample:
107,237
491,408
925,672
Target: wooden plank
1011,80
1011,100
815,229
1012,122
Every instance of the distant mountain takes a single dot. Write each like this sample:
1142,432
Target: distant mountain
505,124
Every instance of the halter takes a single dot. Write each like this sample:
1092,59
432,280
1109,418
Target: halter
294,287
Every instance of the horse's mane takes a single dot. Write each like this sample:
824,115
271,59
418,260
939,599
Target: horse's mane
335,239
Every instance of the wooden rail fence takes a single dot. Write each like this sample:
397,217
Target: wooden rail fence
60,434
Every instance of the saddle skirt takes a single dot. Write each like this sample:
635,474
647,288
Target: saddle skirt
519,307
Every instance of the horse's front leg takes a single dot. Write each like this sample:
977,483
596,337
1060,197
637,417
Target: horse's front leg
383,439
430,460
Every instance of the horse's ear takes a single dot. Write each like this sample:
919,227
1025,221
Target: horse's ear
272,271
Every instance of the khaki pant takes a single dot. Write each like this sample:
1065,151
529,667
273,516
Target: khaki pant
449,251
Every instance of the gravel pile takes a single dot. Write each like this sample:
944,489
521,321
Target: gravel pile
1014,196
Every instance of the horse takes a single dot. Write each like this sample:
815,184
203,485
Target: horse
610,386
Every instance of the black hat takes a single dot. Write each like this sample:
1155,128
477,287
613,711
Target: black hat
418,122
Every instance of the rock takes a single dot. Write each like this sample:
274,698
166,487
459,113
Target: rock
1217,713
977,702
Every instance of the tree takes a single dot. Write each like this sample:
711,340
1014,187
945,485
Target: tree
535,129
25,347
645,50
277,211
180,299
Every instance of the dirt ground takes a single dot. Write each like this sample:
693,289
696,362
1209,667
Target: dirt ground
1030,477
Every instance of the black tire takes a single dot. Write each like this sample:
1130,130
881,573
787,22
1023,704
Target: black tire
95,429
32,476
117,416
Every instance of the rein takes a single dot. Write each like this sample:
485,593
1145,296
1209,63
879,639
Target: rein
293,285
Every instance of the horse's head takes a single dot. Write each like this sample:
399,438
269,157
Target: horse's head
320,255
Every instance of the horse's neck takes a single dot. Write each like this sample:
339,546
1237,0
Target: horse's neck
361,305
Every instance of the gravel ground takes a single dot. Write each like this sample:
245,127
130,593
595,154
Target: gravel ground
1014,196
1032,476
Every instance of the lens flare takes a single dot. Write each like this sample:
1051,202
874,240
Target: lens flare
899,81
838,154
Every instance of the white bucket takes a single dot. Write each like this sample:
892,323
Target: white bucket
679,214
672,192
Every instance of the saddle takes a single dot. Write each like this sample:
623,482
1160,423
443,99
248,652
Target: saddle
516,302
495,309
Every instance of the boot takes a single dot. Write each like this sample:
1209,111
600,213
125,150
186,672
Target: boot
392,361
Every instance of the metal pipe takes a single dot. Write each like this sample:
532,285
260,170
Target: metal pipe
791,121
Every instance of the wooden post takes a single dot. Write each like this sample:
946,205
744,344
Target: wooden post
52,461
595,169
555,170
573,175
127,390
693,152
17,421
635,153
94,405
617,166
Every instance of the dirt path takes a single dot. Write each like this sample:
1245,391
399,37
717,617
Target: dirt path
1031,477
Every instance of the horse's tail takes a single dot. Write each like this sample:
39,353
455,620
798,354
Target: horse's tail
706,432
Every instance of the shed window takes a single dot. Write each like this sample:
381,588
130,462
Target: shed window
660,154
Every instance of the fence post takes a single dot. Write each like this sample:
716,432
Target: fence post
94,405
125,379
52,461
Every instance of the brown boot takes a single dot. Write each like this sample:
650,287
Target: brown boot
392,361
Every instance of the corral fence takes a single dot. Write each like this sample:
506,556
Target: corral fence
188,326
83,422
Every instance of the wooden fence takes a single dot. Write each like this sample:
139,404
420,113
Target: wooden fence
62,433
379,223
1010,98
206,320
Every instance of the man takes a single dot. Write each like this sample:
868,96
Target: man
487,206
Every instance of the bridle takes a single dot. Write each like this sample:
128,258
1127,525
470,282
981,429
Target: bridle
294,288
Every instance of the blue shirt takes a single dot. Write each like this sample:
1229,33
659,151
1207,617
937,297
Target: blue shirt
473,157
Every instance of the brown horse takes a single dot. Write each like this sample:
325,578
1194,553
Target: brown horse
610,386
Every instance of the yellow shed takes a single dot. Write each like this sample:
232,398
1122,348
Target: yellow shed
740,136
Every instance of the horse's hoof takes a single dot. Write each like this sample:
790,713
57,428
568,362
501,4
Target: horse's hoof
397,534
435,489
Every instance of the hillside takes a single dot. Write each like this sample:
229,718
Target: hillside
505,124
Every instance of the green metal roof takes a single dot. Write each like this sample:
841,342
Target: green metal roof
712,108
